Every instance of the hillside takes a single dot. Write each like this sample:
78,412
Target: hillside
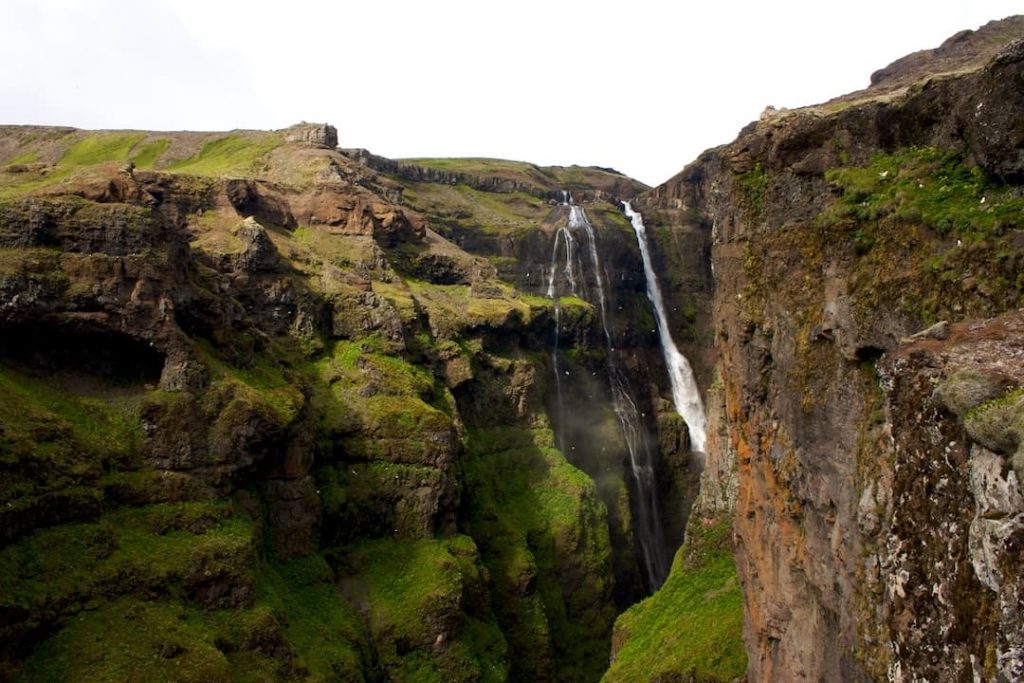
275,409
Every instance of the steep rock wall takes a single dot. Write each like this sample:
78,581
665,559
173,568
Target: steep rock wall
837,232
273,425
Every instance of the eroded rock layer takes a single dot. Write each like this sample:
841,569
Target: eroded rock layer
877,516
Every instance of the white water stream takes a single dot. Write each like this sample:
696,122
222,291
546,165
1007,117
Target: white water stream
685,394
647,524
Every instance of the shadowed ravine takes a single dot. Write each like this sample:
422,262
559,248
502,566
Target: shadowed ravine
578,234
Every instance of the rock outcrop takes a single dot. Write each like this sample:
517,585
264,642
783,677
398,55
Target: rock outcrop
315,134
875,490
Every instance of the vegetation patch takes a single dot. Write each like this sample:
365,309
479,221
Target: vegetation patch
543,537
28,157
53,440
146,155
131,640
929,186
691,628
429,611
754,183
174,550
100,148
328,637
232,155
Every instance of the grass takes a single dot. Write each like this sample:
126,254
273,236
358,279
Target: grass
147,155
343,251
28,157
453,309
122,641
53,440
132,573
463,208
691,627
327,634
104,426
232,155
754,183
478,165
30,259
383,407
85,158
930,186
100,148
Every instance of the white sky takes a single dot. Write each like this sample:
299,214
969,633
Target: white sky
641,86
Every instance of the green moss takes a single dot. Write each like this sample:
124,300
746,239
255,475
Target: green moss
171,549
299,623
52,439
131,640
105,426
381,406
754,183
538,523
475,165
232,155
33,259
429,614
693,625
574,301
931,186
148,154
452,309
368,359
101,147
260,381
328,636
338,250
459,208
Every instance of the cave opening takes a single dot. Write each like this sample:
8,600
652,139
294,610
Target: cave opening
70,349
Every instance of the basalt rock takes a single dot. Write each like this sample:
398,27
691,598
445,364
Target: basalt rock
316,134
874,481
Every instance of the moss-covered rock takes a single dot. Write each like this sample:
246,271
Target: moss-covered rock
428,609
544,538
691,628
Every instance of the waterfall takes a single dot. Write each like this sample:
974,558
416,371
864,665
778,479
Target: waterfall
565,236
647,524
685,394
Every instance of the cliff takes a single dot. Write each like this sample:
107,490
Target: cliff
273,409
865,258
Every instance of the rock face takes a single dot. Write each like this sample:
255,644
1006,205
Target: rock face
877,512
260,417
315,134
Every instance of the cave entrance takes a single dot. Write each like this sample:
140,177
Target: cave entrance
70,350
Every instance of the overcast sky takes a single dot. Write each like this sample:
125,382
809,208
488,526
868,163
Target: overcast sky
641,86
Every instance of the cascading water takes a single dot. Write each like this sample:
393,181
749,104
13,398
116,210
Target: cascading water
685,395
566,237
647,525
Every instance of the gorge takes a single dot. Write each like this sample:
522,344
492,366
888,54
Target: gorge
275,409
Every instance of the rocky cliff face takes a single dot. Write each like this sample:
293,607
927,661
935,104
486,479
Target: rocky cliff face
877,518
266,410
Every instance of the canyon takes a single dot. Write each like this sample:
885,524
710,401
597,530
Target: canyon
275,409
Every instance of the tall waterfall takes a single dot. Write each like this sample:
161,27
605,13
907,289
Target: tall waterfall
685,394
563,235
647,526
